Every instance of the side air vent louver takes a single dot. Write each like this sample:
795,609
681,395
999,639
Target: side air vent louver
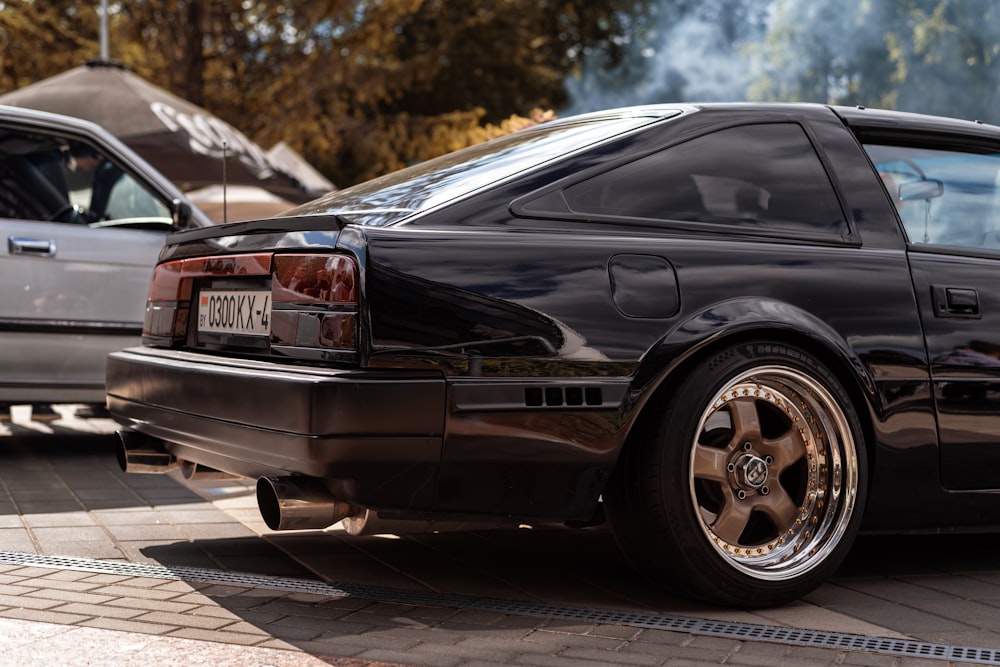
554,397
554,394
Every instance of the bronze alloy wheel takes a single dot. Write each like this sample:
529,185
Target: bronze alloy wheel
746,484
774,472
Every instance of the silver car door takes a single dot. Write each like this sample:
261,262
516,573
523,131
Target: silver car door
75,285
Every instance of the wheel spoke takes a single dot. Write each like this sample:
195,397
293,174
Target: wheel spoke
710,463
786,451
732,520
746,421
779,507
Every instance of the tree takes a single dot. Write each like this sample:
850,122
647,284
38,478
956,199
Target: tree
681,50
38,40
931,56
359,87
824,51
372,77
947,57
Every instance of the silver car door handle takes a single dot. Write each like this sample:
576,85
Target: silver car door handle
18,245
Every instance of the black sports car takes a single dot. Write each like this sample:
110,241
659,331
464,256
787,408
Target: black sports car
740,332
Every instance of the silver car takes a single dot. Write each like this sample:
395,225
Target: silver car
84,219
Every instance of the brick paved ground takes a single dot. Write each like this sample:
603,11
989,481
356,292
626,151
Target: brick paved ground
51,616
61,494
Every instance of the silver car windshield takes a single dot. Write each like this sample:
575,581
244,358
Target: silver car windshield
388,199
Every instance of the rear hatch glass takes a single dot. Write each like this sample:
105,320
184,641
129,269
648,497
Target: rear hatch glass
393,197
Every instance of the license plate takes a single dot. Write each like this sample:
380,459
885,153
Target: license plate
246,312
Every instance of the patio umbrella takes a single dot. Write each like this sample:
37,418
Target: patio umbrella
237,202
186,143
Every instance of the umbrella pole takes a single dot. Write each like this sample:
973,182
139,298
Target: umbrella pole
104,31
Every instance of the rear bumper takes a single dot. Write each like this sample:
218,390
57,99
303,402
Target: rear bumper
375,436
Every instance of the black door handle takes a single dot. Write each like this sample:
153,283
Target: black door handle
955,301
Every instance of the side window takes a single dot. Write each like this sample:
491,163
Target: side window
765,176
54,179
944,197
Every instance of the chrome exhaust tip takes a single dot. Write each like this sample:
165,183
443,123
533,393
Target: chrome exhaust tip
139,453
195,472
298,503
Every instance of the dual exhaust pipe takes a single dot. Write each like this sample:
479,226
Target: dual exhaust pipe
140,453
299,503
285,503
291,502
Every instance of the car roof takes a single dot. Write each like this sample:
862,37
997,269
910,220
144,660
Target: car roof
855,116
863,117
53,120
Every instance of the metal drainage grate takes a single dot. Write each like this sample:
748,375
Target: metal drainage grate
696,626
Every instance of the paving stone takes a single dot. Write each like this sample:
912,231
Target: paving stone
101,610
66,575
23,587
675,652
410,659
247,627
293,632
147,532
539,660
286,607
425,634
17,601
224,636
184,620
905,619
252,617
206,531
45,616
139,589
65,595
179,587
104,549
610,657
74,520
29,572
870,660
663,637
151,604
44,504
128,625
505,655
68,535
17,539
55,583
616,631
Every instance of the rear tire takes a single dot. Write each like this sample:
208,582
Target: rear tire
749,489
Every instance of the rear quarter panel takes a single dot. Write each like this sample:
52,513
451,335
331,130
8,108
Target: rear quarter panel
550,281
554,288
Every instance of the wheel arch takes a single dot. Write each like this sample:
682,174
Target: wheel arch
740,321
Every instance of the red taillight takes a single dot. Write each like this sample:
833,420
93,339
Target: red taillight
167,303
314,299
